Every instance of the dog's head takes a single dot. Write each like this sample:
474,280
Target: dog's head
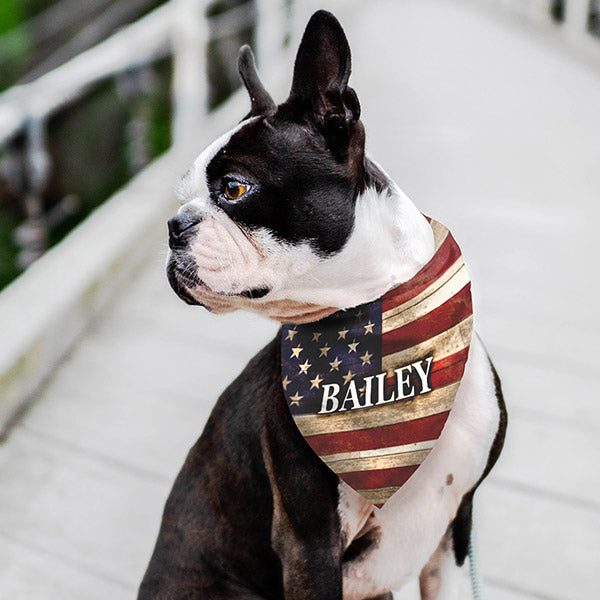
280,215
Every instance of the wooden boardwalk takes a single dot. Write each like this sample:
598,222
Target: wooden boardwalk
492,128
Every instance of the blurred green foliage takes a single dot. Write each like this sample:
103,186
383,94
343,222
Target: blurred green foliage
14,43
11,14
8,250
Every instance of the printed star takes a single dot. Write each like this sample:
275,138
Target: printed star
296,352
285,382
291,334
335,365
359,315
348,377
316,336
352,346
295,399
361,390
316,382
304,368
324,350
342,334
366,358
369,327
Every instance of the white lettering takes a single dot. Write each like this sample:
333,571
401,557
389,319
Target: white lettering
424,374
351,394
368,388
381,390
402,381
327,387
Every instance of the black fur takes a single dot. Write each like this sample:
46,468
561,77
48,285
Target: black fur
298,191
261,100
239,523
461,526
303,161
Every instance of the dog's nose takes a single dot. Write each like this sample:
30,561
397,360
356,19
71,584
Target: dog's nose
179,225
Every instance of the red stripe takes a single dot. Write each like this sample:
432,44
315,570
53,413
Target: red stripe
450,374
368,480
425,428
440,262
433,323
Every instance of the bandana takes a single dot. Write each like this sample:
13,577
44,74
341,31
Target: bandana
370,388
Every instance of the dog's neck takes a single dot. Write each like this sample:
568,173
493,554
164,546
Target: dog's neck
390,242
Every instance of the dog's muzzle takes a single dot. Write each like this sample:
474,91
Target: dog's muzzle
181,228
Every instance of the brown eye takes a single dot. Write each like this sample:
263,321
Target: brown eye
235,190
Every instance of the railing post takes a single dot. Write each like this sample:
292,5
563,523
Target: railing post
32,235
189,91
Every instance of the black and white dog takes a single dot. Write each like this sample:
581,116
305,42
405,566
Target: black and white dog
286,216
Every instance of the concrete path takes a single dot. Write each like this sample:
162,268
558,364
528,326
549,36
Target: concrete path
491,127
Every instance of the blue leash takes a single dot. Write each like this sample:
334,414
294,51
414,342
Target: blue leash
474,564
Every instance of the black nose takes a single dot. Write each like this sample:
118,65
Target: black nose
179,228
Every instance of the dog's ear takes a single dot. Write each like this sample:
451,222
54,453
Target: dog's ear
261,101
320,85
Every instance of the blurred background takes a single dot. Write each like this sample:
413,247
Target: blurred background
487,113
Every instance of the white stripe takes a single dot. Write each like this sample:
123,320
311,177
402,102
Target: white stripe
435,299
442,279
440,233
427,445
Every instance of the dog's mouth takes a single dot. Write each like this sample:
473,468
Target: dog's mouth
185,283
180,281
255,293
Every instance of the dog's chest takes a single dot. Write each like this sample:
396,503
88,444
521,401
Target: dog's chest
405,532
384,548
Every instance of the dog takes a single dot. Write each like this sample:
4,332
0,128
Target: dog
286,216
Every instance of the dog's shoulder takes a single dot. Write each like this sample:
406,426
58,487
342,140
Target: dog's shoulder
263,372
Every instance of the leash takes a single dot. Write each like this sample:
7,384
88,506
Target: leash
474,562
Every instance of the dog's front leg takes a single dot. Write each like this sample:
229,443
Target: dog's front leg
305,530
439,579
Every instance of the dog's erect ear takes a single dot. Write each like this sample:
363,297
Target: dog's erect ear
321,72
261,100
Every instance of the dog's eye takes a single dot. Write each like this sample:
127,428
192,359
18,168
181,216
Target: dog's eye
234,190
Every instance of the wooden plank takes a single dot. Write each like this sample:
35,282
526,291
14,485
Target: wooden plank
88,511
30,574
526,536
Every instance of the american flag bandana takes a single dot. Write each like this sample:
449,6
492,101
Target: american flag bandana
370,388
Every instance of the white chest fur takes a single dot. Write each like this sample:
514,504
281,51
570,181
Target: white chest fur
413,521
